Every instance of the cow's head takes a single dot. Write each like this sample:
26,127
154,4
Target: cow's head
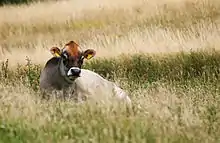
71,58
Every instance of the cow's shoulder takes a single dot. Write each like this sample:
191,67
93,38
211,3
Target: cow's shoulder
52,62
92,79
90,73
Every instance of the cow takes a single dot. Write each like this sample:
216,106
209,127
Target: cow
63,72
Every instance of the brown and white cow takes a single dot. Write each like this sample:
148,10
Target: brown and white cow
63,72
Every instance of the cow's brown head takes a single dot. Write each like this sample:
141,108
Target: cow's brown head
72,58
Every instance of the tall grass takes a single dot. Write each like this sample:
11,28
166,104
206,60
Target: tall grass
175,98
164,53
122,27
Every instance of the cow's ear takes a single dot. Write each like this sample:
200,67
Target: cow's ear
55,51
89,53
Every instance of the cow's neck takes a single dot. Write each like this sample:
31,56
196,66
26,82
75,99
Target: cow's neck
63,72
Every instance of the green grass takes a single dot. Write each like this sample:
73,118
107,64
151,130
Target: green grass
178,67
140,69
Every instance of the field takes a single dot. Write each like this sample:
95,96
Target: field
164,53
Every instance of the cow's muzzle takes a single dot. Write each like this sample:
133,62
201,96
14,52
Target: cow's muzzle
74,72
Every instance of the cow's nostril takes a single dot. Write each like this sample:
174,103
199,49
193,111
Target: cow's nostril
75,71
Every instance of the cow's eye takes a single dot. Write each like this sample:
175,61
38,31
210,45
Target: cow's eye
65,55
65,62
81,60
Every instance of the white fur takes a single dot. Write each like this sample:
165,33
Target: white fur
93,86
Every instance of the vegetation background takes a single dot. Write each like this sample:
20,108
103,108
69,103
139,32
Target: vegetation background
164,53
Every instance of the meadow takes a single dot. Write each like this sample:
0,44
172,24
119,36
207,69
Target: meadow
164,53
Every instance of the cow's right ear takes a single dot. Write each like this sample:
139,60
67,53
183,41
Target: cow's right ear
55,51
89,53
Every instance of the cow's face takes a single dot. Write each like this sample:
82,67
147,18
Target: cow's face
71,58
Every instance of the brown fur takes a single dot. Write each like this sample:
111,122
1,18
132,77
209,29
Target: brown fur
72,48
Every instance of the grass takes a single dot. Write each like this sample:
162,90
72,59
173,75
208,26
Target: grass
178,105
166,54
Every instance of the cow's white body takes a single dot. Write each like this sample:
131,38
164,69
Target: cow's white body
94,87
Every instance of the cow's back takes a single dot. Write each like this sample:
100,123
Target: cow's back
96,87
93,85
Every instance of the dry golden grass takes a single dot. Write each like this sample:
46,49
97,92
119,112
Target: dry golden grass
117,27
168,113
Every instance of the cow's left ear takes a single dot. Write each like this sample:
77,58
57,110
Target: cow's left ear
89,53
55,51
